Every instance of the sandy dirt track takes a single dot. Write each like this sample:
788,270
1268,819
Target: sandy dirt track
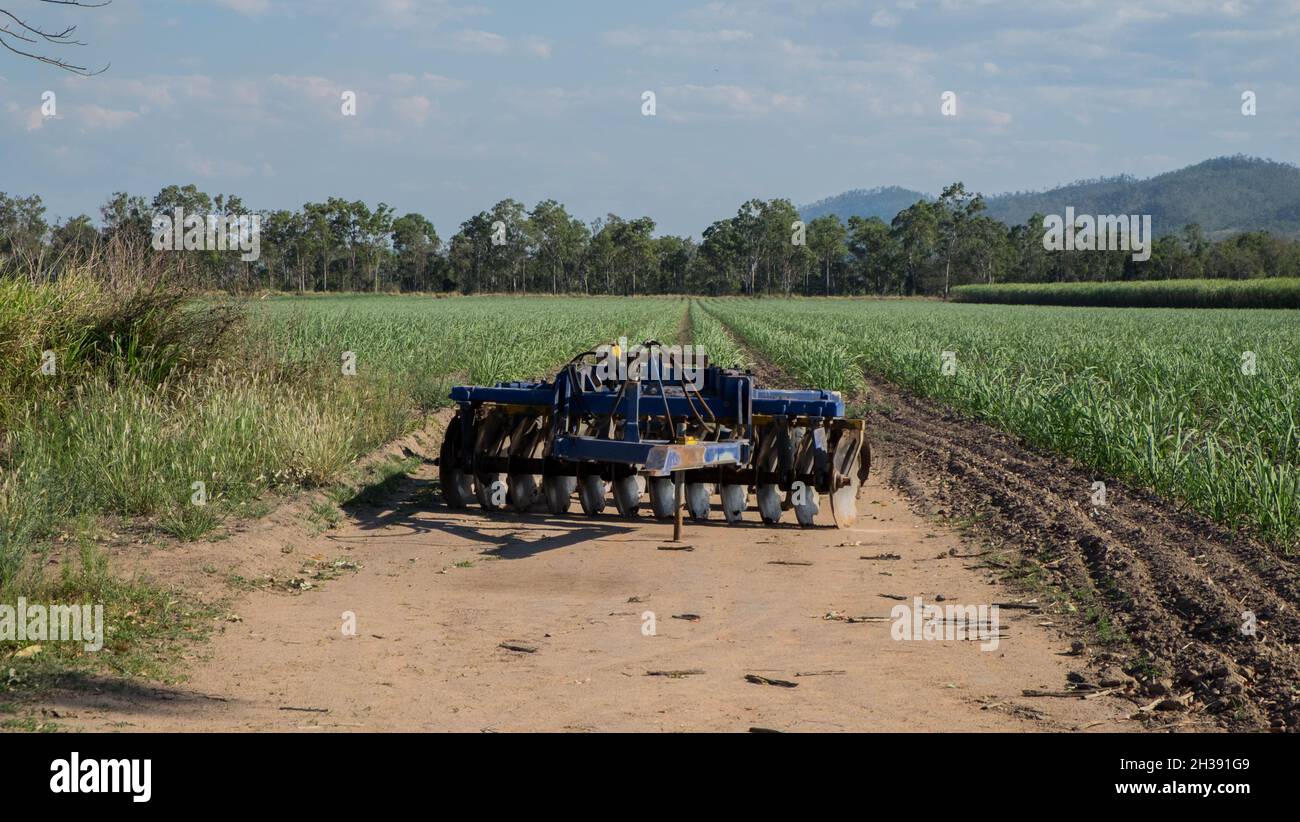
438,592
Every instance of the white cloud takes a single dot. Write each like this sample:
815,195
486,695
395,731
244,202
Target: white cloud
98,117
484,42
415,109
251,8
212,168
688,102
313,86
884,19
550,102
678,42
154,90
429,83
409,15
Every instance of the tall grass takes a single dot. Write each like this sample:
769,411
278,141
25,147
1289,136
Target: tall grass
1274,292
114,314
155,391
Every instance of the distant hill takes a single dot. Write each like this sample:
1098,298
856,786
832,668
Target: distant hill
883,202
1225,195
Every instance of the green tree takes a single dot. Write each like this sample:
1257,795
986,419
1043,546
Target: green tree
828,241
675,255
559,242
126,217
22,231
718,267
416,244
955,210
74,241
469,254
986,248
372,237
875,253
915,230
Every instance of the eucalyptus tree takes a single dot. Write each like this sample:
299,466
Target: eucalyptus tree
828,242
955,209
915,230
875,254
415,246
558,241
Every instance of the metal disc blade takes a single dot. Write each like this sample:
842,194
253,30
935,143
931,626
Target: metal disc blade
627,495
697,499
591,495
523,491
492,440
457,489
844,505
492,491
559,493
769,503
851,460
735,499
662,501
806,511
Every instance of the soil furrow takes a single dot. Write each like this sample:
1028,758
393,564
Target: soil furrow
1180,585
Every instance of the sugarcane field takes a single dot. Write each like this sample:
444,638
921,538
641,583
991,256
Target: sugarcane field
788,386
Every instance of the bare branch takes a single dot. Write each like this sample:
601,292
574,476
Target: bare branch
53,37
26,32
4,29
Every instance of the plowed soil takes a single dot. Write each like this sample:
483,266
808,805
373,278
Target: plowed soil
1177,590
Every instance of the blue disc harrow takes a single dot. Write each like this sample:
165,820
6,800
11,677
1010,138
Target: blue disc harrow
630,422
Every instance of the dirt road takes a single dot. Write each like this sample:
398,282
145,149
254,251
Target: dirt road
437,593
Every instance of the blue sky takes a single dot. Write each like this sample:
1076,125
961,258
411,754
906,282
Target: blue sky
463,104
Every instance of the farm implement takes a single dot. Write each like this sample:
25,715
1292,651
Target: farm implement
623,421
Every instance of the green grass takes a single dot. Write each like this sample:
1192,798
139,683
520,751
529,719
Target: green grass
146,627
133,434
1157,397
1275,292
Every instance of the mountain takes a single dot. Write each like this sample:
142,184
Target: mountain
1225,195
883,202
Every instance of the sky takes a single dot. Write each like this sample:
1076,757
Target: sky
459,105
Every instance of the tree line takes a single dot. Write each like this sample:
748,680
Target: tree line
764,249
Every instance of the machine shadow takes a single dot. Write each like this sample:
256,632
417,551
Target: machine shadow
414,505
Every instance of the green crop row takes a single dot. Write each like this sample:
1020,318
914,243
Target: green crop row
1274,292
1199,406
